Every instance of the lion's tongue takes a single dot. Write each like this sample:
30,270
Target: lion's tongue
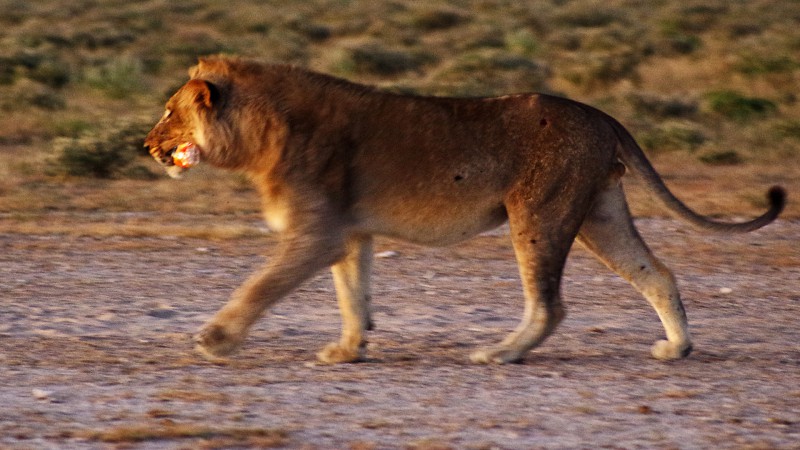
186,155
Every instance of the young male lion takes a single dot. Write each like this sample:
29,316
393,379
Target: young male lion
337,163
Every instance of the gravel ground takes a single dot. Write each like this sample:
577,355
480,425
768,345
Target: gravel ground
95,350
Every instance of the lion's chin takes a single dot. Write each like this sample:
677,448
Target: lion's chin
175,172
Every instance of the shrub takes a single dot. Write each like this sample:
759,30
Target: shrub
378,60
104,37
722,158
587,16
108,155
523,42
601,69
738,107
51,72
8,72
26,93
678,43
696,18
489,72
662,106
47,100
90,158
789,129
118,78
673,136
759,65
437,19
73,128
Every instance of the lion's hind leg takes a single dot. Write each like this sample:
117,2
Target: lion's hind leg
541,247
608,232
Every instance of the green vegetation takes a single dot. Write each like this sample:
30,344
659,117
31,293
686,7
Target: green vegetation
710,77
736,106
111,154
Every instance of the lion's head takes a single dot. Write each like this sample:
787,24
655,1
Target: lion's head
225,111
184,122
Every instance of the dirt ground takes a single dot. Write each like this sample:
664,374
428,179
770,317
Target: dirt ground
95,350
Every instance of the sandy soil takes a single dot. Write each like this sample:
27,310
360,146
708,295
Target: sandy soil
95,350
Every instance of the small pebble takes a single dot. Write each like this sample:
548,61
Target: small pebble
725,290
40,394
387,254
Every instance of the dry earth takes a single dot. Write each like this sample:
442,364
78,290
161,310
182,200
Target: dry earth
95,350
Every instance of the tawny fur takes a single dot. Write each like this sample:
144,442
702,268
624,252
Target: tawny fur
337,163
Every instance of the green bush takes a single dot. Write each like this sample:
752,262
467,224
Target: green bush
759,65
789,129
673,136
25,94
91,158
738,107
601,69
676,41
105,155
491,72
522,41
437,19
723,158
118,78
8,72
588,16
662,106
375,59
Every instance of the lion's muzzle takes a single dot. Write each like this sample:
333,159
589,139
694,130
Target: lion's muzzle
165,158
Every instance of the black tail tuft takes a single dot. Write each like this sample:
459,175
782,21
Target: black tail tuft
777,198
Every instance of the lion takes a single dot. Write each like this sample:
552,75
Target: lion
337,163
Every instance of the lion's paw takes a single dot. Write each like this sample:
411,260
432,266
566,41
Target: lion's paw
335,353
214,342
666,350
495,355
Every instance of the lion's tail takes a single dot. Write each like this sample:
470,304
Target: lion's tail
633,157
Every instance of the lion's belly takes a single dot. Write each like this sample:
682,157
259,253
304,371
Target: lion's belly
433,223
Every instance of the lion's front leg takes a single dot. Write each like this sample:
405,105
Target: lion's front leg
351,278
297,259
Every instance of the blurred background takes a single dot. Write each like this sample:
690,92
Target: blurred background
709,88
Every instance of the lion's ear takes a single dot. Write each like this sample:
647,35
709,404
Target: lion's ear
204,93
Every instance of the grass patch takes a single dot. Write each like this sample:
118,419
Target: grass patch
107,155
434,19
118,78
662,106
722,158
522,42
591,15
675,40
738,107
789,129
671,136
376,59
489,71
753,65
